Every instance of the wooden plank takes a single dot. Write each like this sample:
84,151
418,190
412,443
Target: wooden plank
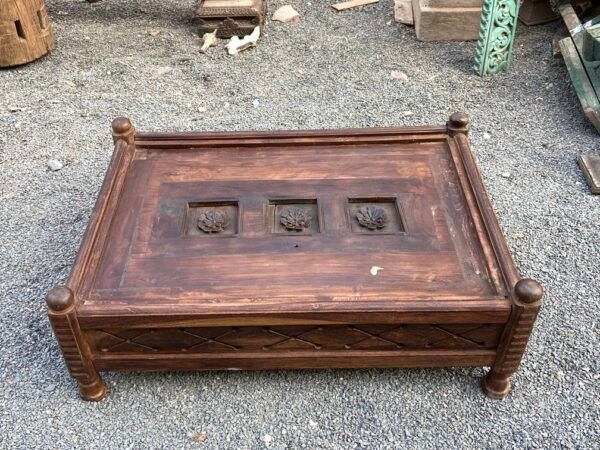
352,4
581,82
257,361
590,166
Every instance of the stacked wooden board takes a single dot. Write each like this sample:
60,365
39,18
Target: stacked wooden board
581,52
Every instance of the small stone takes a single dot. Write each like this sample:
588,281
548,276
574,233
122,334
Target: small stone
312,423
545,270
163,70
14,109
198,437
286,14
54,165
202,109
486,136
255,103
506,175
154,33
398,75
407,113
267,438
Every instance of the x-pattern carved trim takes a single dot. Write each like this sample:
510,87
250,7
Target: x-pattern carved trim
292,337
377,336
457,335
214,340
131,340
360,334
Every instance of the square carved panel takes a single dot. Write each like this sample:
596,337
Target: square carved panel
375,215
219,218
294,216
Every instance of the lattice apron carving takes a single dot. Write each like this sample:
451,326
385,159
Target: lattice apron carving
304,338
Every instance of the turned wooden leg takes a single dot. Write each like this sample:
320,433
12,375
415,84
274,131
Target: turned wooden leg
61,312
496,36
527,302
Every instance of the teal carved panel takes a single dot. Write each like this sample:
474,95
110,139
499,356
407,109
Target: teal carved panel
496,36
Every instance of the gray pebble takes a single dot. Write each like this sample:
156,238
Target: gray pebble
54,165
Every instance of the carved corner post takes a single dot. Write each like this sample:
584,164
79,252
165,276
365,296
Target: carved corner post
123,129
496,36
526,305
63,318
458,124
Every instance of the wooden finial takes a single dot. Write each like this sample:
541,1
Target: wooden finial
60,299
122,128
528,291
458,123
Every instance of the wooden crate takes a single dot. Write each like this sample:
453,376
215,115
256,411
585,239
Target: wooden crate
447,20
289,250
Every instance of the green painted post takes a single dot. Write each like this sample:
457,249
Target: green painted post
496,36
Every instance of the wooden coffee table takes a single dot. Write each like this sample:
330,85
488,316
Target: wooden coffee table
288,250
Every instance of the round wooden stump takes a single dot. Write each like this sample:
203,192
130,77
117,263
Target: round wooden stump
25,31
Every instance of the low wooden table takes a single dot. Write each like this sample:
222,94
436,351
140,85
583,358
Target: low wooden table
288,250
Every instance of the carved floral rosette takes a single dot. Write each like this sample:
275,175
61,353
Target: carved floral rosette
295,219
372,217
213,221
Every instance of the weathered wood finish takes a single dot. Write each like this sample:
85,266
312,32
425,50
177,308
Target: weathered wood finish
192,259
447,20
25,31
581,53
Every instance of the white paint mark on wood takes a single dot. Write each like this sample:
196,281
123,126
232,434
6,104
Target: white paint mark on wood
375,270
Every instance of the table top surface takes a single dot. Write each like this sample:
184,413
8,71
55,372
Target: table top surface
291,220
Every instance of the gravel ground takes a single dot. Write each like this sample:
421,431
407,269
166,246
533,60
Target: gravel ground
330,70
